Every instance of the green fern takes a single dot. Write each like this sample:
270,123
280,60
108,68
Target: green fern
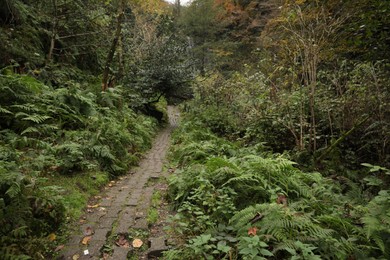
377,221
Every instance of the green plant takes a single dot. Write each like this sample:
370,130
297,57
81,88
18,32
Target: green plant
253,248
152,216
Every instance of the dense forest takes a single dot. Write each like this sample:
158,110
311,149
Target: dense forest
283,149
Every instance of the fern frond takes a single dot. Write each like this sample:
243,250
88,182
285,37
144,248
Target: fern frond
5,111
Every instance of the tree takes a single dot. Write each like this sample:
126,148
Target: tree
114,44
308,29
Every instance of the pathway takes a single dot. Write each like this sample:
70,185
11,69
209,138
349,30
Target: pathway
120,215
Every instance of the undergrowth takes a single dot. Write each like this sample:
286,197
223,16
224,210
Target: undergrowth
237,202
57,148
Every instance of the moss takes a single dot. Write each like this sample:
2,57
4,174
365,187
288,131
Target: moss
78,189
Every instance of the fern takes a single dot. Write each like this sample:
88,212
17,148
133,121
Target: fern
377,221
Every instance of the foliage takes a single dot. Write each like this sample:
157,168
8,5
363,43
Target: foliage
266,206
50,134
158,59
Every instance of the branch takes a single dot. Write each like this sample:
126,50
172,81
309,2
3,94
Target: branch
76,35
341,138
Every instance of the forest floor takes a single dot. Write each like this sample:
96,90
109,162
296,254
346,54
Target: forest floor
129,212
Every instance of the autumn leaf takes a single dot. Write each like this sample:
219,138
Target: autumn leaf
59,248
252,231
106,256
93,206
137,243
86,240
282,199
75,257
122,241
52,237
88,231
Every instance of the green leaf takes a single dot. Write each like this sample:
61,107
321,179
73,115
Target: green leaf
265,252
373,181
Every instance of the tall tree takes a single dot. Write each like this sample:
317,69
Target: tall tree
114,44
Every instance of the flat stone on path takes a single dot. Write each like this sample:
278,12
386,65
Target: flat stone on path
157,247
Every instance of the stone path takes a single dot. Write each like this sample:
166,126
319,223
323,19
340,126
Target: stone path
108,228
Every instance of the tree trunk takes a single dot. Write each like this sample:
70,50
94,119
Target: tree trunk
114,44
53,33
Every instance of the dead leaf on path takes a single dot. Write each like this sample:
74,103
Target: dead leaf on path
86,240
75,257
93,206
88,231
59,248
122,241
106,256
52,237
137,243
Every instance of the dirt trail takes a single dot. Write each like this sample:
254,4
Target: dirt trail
122,210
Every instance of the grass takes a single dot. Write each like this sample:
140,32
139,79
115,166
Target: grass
153,212
78,189
152,216
156,199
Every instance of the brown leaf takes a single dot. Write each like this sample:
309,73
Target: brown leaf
52,237
256,218
252,231
137,243
86,240
122,241
282,199
88,231
93,206
59,248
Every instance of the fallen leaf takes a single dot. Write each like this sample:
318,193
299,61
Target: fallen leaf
137,243
75,257
106,256
52,237
256,218
59,248
252,231
122,241
93,206
88,231
282,199
86,240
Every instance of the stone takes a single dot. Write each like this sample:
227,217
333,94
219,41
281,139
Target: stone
157,247
120,253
